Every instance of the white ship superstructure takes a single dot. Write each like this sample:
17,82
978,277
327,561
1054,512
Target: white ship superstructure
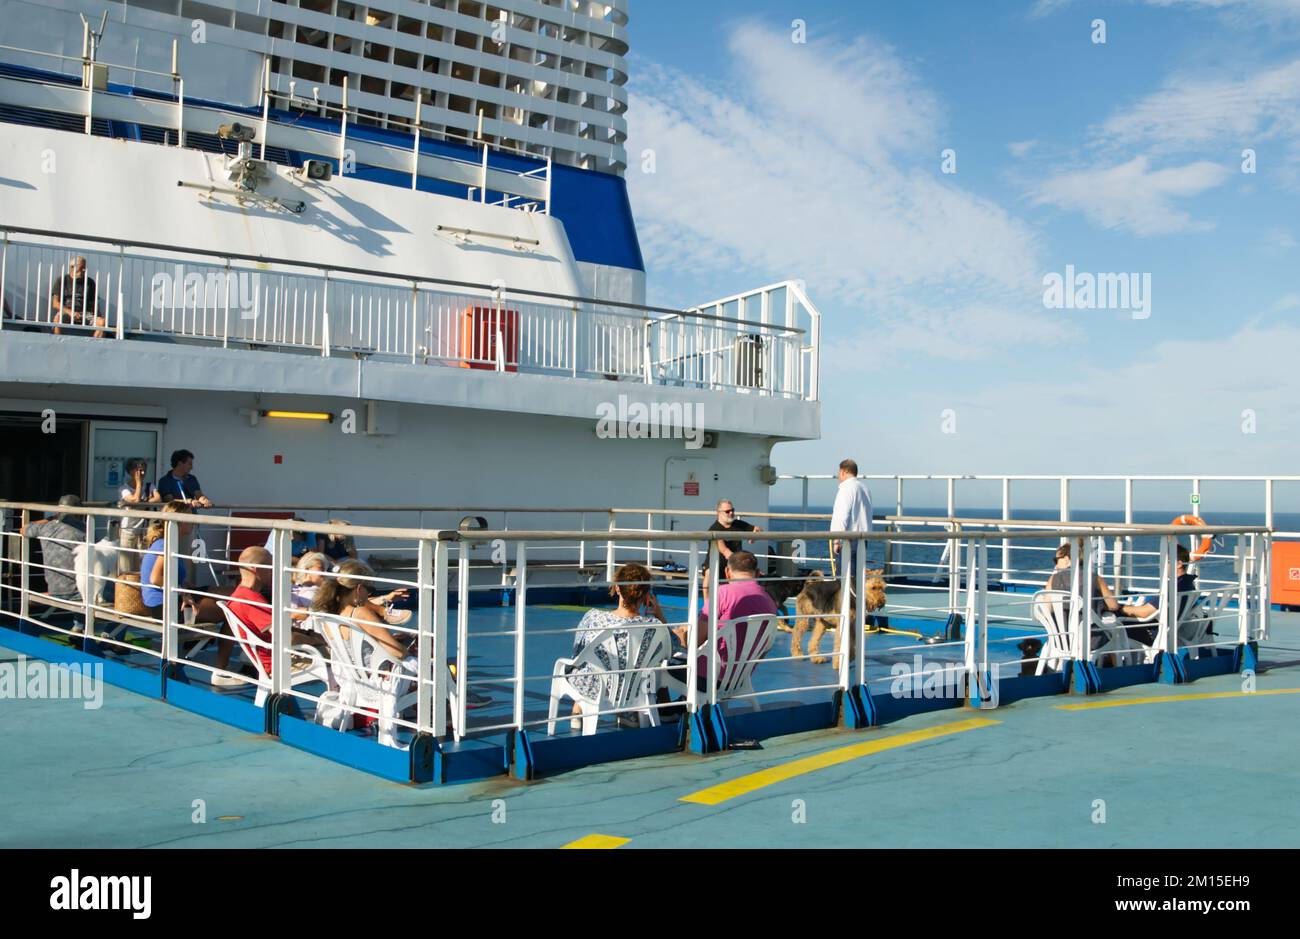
454,318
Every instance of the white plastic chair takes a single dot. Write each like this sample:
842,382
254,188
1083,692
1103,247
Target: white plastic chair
735,665
633,688
1051,610
1196,613
366,688
247,642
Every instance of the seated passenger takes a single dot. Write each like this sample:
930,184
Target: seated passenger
337,547
251,605
1186,584
151,572
742,595
1103,600
637,606
73,299
300,543
307,578
59,537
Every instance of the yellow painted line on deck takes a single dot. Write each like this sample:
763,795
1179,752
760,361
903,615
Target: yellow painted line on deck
1164,699
754,781
598,841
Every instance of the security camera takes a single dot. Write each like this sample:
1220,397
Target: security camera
319,171
240,133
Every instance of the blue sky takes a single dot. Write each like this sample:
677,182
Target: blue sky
821,161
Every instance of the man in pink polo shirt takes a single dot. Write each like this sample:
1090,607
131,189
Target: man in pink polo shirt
742,595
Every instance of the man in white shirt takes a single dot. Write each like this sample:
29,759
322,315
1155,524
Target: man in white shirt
852,510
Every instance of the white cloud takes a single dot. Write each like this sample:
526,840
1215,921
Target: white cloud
822,162
1193,111
1246,11
1021,148
1132,195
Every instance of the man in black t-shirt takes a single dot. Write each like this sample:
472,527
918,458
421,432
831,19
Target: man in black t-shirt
727,521
73,299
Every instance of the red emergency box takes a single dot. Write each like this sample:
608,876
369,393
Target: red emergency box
478,338
1284,584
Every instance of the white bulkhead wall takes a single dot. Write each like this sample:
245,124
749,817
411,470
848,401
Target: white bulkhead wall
124,189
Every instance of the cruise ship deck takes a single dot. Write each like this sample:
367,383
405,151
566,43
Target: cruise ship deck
1109,770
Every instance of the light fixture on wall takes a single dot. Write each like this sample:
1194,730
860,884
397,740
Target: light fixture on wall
300,415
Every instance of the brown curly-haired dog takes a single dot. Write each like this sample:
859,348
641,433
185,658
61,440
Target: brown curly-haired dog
819,604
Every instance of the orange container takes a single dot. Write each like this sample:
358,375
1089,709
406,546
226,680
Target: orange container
1284,584
478,338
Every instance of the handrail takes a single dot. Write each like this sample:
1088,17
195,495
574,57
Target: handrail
406,279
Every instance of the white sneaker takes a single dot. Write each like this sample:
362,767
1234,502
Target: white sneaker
226,681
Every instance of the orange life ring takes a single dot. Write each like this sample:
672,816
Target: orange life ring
1206,543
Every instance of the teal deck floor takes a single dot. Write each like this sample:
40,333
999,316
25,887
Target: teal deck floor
1191,773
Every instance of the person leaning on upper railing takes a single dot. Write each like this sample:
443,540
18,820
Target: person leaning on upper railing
73,299
181,484
137,491
852,511
727,521
57,553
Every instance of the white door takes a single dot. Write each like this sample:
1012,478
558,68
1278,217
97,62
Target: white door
690,483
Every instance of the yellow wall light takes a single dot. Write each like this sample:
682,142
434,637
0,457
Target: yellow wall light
300,415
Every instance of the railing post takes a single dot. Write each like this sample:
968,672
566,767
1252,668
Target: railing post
415,145
1265,576
980,682
24,566
325,337
439,626
714,559
1087,587
692,624
1169,593
521,617
573,342
582,544
1128,539
415,326
609,551
424,627
1196,501
120,330
281,587
1245,554
1268,503
180,113
170,606
647,363
462,635
4,262
266,108
1006,516
860,617
91,591
1065,498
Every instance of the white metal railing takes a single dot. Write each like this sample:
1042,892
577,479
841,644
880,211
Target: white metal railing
452,661
151,291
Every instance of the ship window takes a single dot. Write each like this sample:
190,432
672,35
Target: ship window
373,86
489,77
462,71
275,29
313,37
346,10
406,59
433,31
407,25
316,6
342,43
470,8
431,63
250,23
309,70
380,18
466,40
203,11
337,75
458,103
405,92
377,51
